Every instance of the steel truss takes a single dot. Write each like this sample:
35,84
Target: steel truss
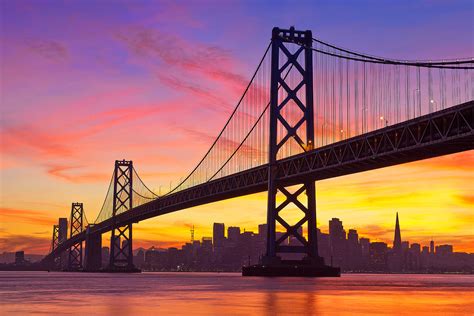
54,245
121,254
75,251
305,126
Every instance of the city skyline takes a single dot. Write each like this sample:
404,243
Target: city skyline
340,247
130,81
389,243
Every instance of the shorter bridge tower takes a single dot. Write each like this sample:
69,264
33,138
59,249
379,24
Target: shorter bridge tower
121,254
56,264
75,252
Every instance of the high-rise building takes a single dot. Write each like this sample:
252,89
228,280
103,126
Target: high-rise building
378,256
405,245
62,234
337,241
352,236
432,247
397,240
353,256
444,250
19,257
336,230
105,256
425,250
365,246
218,234
233,233
395,258
262,231
416,248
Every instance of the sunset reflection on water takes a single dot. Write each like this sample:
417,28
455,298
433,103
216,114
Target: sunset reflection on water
230,294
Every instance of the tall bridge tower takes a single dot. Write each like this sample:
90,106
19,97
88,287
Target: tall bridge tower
282,131
121,254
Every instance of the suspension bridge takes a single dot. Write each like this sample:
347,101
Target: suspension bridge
311,111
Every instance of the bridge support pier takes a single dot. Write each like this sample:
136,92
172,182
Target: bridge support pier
121,251
284,130
93,253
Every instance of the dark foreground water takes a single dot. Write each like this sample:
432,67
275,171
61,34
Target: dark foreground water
58,293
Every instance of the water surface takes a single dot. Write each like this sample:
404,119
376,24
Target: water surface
61,293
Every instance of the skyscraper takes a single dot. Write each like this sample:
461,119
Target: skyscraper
62,236
218,234
397,240
233,233
337,241
395,259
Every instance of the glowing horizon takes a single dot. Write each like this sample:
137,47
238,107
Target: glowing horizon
79,90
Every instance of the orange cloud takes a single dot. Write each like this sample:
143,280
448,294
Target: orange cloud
30,244
64,172
27,216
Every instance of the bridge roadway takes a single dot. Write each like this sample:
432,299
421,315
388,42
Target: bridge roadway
440,133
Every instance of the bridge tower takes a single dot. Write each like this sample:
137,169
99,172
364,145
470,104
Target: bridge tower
302,131
121,254
56,264
75,252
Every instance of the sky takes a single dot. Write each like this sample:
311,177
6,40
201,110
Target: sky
83,83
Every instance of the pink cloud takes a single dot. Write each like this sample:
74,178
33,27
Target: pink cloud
49,49
195,90
203,60
74,174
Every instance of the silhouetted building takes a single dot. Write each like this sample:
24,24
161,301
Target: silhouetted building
62,236
262,230
365,252
396,257
351,254
105,256
444,250
354,252
139,258
324,250
233,233
337,238
378,257
20,258
397,240
218,234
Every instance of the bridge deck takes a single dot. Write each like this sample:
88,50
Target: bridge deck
443,132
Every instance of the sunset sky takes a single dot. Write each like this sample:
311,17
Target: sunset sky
83,83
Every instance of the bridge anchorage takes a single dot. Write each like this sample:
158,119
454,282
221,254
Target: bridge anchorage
300,96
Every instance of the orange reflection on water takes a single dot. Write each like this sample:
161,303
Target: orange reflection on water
230,294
